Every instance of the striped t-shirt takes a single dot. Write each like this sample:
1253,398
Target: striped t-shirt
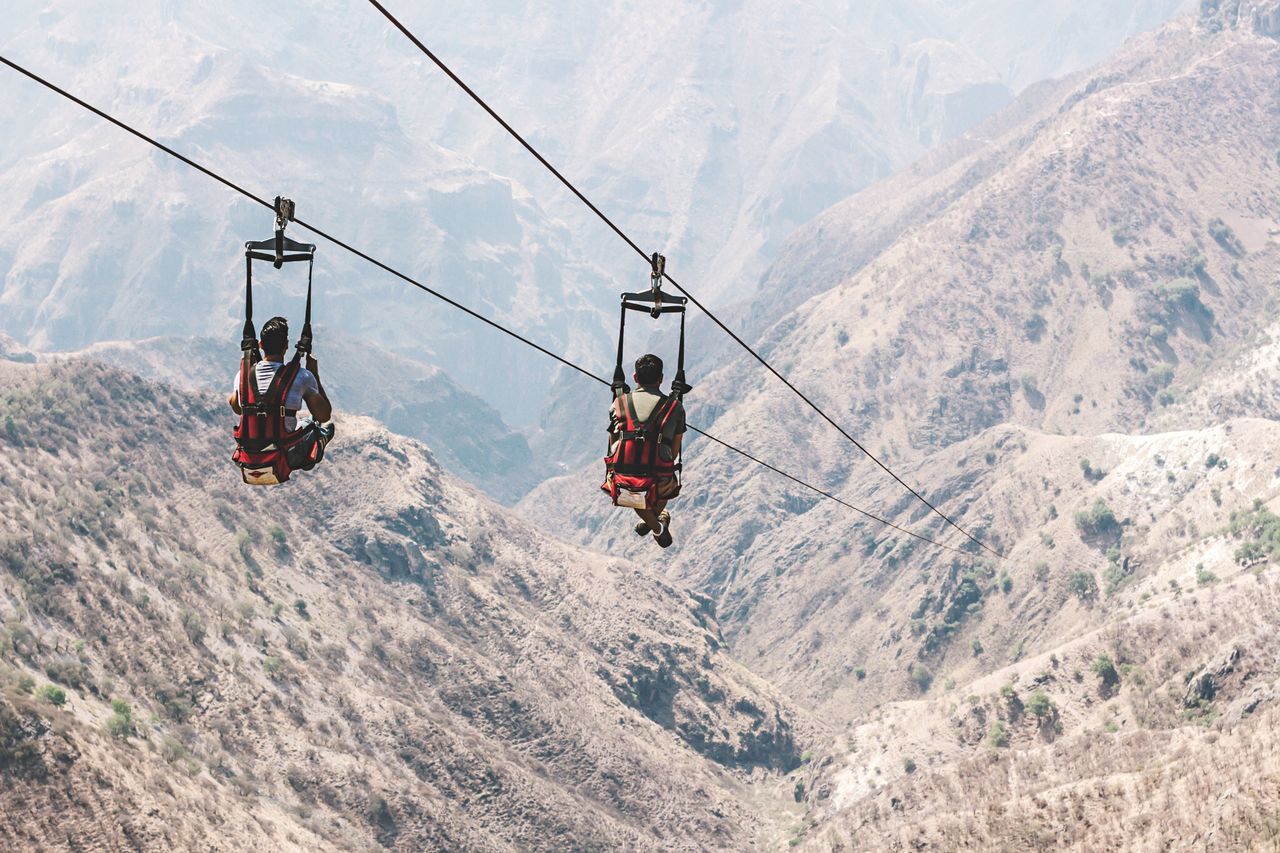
304,383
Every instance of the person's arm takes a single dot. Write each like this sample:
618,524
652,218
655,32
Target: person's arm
234,401
675,445
318,402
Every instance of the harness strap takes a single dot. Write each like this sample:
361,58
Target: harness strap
619,384
304,339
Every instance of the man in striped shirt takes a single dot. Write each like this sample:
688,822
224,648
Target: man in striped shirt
306,387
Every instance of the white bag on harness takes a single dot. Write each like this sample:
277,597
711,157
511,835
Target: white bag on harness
631,499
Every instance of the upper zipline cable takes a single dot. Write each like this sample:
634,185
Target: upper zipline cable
641,252
451,302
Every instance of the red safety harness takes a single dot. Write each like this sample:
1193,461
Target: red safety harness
263,444
635,467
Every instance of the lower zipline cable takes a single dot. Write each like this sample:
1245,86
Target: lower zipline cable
451,302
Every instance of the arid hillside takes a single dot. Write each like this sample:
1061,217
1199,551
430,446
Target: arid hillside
372,655
1155,731
1055,294
410,397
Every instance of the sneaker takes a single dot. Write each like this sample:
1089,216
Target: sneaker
642,528
664,538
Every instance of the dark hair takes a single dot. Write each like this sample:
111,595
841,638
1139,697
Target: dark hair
648,369
275,335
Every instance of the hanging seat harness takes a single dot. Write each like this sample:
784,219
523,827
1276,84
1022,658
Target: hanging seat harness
634,468
266,451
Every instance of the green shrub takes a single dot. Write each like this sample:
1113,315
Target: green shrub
1006,583
1159,377
1040,705
1098,520
909,765
1225,237
998,736
860,673
1205,577
1083,585
193,625
279,541
244,544
1105,669
922,676
53,694
120,723
1260,528
976,645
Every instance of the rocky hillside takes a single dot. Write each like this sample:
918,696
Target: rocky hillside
1100,261
1155,732
410,397
371,655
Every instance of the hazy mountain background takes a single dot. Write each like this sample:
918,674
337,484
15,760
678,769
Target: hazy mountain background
709,130
1049,303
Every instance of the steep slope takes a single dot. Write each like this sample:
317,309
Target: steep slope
1155,732
412,398
1100,254
371,655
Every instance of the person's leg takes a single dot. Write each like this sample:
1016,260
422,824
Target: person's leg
650,518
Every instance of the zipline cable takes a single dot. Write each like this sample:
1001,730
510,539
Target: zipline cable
451,302
641,252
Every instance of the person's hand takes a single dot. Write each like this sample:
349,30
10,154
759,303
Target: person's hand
311,363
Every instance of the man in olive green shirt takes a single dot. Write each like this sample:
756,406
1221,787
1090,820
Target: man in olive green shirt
646,399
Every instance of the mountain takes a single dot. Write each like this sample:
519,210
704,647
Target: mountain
1157,731
1096,264
411,398
1062,329
708,130
372,655
106,239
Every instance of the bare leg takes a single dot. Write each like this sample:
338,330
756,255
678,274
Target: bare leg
650,518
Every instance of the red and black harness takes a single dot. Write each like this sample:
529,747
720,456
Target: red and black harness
266,451
635,471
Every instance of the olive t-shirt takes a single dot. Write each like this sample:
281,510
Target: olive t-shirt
646,398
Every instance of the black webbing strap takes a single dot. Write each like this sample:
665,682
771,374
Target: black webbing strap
679,387
249,337
619,384
304,339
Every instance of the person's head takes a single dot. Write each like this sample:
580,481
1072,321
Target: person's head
648,370
275,336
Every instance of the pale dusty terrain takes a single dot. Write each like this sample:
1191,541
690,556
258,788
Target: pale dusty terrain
1067,316
372,655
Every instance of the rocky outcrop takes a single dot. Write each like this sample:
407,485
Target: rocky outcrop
1260,16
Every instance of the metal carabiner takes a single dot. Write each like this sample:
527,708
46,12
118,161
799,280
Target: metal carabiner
659,264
